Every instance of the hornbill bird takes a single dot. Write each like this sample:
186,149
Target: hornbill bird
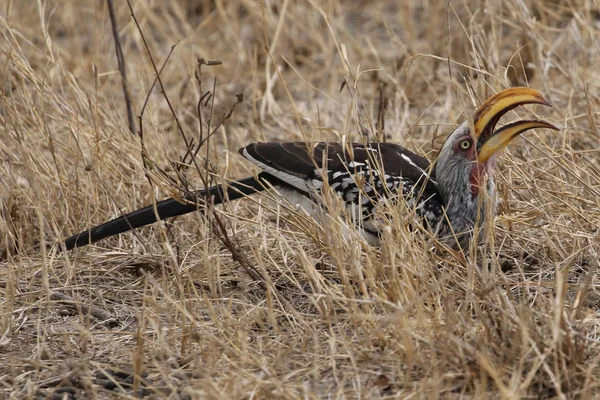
444,194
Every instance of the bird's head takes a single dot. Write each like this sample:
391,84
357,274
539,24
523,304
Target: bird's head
469,154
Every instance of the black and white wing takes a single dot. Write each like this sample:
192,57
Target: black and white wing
365,176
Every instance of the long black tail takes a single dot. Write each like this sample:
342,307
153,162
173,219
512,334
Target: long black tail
169,208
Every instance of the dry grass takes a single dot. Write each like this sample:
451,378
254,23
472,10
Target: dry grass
328,317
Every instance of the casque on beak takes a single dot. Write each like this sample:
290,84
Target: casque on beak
490,142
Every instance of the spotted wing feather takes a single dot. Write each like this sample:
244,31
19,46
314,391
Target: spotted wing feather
364,175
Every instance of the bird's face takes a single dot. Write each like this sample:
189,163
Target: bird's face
469,154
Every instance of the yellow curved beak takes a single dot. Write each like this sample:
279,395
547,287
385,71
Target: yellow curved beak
489,113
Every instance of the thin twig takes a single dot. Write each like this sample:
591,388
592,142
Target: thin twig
219,227
380,125
121,62
157,74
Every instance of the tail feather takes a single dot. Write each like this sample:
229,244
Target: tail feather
166,209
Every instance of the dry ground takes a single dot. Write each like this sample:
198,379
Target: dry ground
173,311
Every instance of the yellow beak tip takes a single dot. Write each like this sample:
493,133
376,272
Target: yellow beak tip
490,112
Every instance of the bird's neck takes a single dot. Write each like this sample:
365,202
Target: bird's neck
467,195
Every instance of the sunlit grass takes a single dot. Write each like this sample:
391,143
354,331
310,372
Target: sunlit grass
290,308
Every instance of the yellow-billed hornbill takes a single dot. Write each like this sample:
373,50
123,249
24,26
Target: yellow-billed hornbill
444,194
